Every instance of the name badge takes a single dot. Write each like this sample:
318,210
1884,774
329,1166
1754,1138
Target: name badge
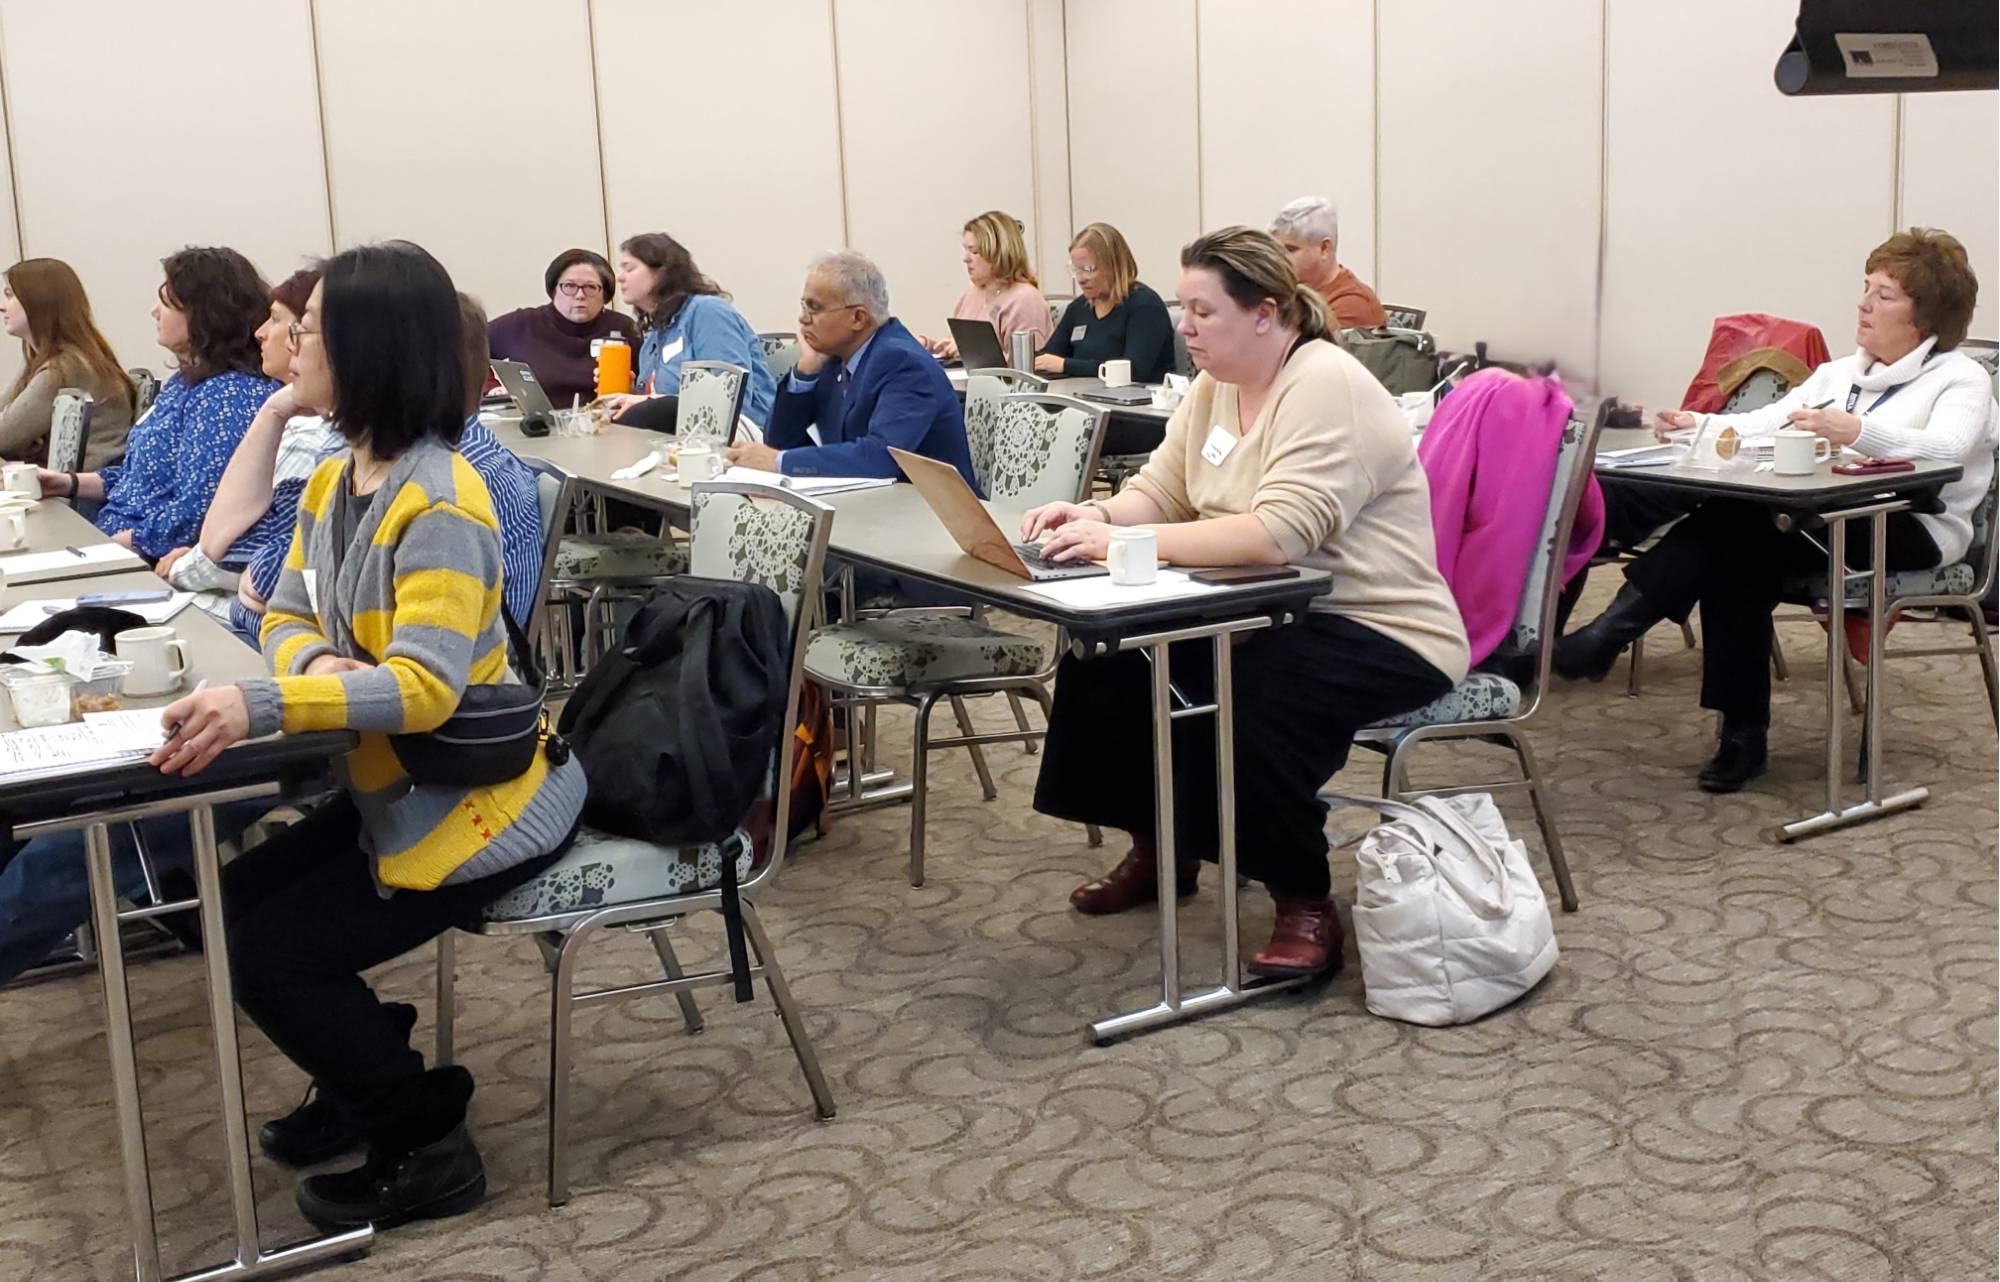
312,588
1076,335
1218,445
671,350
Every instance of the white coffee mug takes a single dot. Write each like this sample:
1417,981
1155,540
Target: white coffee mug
700,463
1115,373
13,531
1134,557
1797,453
22,478
153,672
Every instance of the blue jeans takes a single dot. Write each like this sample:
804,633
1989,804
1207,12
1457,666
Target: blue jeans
45,886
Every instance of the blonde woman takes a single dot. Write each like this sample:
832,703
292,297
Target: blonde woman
1114,316
1000,287
1286,450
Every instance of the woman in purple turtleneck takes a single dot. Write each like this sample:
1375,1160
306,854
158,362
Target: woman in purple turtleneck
555,340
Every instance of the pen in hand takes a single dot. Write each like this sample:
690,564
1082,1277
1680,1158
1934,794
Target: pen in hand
199,686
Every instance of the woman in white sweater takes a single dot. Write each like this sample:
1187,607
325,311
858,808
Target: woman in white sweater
1906,393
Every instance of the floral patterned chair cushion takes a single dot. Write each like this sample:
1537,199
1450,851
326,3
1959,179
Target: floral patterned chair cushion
710,396
906,650
1482,696
601,870
621,554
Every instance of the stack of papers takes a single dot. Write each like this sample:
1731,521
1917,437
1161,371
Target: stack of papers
101,738
806,484
92,558
1100,593
32,614
1642,456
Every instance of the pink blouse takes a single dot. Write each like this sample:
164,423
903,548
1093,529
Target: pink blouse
1019,306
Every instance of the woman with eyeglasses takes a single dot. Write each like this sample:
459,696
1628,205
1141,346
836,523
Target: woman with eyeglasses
1114,316
559,341
210,307
685,316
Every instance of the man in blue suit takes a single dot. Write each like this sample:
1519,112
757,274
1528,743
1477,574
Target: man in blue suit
863,381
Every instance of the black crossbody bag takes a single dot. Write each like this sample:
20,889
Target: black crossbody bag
493,736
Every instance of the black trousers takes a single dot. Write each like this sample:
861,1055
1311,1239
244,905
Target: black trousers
1634,513
655,413
1729,558
1301,692
304,920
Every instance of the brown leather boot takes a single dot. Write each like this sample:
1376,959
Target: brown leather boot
1305,940
1134,883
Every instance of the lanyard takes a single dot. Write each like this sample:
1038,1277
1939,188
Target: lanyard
1854,390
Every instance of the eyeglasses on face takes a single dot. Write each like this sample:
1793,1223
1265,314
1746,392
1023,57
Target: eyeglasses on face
813,308
294,332
580,288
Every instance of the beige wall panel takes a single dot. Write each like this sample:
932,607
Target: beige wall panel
720,127
1049,231
1489,173
1723,194
493,173
1288,110
1950,180
139,129
933,133
1132,128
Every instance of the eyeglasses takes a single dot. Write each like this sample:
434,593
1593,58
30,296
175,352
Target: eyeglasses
1083,271
580,288
294,332
811,308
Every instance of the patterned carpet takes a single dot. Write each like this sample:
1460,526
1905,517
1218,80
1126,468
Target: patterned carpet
1753,1063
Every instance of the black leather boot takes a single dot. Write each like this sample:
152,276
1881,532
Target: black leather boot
1589,652
1740,756
319,1130
397,1185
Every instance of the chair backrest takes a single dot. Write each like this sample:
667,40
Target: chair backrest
146,385
1041,448
69,429
1058,304
1986,351
555,491
1404,317
780,351
983,390
1760,388
1535,616
762,534
711,397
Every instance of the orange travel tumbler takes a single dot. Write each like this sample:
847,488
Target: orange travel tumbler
614,367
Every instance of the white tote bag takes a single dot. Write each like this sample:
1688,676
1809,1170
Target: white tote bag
1449,919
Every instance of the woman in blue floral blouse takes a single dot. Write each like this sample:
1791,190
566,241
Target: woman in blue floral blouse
210,306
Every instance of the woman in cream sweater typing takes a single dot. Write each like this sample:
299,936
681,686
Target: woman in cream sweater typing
1285,451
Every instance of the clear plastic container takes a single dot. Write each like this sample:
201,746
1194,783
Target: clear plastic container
38,698
100,693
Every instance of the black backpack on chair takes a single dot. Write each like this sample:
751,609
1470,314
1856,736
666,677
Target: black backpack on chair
675,728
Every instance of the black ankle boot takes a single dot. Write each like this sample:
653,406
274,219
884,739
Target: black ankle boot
397,1185
1740,756
318,1130
1589,652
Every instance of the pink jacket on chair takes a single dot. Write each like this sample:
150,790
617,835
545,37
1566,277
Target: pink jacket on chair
1490,455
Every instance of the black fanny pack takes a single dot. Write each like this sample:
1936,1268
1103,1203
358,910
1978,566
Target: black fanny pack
495,734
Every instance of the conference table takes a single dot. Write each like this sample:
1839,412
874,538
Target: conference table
93,798
1130,429
890,528
1837,501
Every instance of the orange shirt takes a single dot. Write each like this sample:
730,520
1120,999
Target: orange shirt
1354,304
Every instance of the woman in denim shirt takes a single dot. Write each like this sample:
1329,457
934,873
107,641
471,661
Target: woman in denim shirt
684,316
211,304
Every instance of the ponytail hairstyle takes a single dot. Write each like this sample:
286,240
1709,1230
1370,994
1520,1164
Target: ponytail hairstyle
1252,267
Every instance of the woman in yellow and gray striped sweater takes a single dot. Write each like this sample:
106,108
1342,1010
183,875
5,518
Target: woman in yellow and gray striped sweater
397,555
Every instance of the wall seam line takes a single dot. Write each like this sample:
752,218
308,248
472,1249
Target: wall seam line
319,110
597,122
839,122
1603,195
13,165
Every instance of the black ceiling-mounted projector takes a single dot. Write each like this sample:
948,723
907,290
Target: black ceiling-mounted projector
1892,46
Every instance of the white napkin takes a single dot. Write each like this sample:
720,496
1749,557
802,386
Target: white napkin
639,469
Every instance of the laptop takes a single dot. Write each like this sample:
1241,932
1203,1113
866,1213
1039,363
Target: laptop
520,383
973,528
1130,394
978,344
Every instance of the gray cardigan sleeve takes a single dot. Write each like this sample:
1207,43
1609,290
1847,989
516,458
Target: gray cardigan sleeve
25,420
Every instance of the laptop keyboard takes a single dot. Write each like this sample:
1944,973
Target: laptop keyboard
1041,567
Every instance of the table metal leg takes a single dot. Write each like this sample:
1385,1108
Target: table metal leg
1173,1006
124,1059
1875,805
